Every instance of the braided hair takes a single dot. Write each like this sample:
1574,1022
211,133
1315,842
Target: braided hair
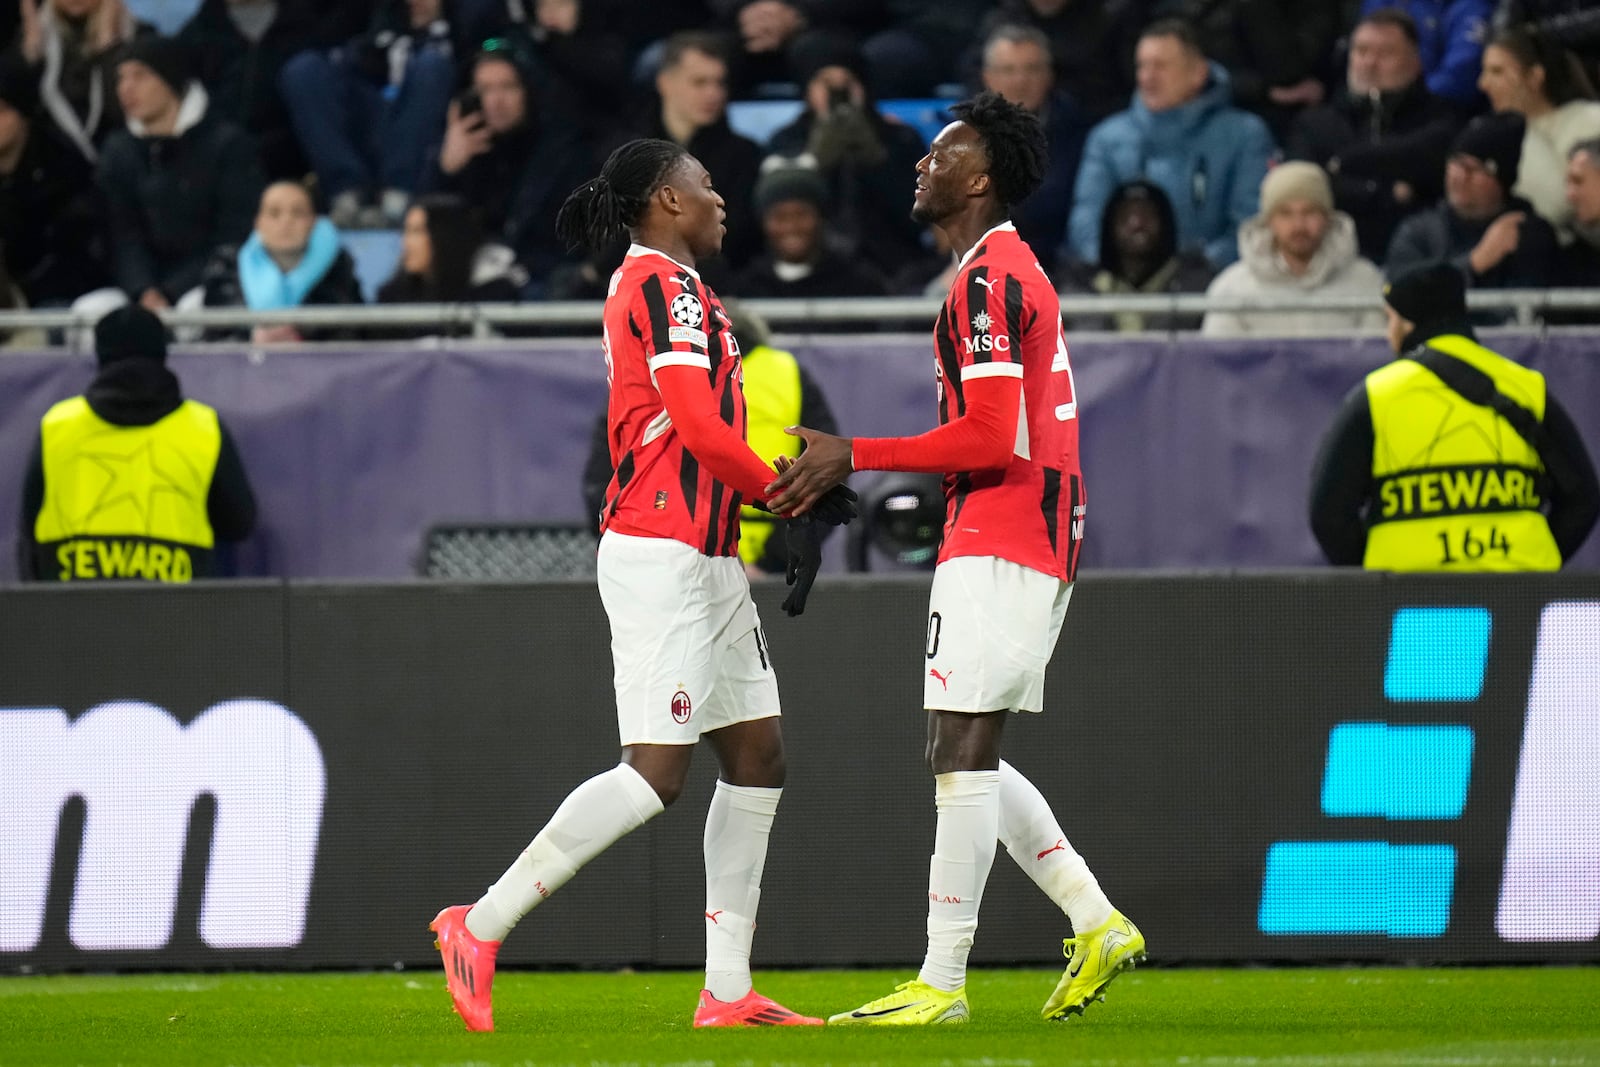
603,208
1014,141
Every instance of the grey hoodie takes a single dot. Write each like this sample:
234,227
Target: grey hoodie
1336,270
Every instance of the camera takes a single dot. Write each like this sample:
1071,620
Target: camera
469,102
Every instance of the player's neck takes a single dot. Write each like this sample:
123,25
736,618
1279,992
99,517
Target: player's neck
668,244
964,229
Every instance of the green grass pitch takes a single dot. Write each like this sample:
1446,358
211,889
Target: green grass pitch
1298,1018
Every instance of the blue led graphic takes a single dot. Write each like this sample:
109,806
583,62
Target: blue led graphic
1357,887
1437,654
1397,772
1379,770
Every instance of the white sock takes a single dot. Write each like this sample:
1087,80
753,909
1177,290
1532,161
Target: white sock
598,812
963,852
737,827
1030,832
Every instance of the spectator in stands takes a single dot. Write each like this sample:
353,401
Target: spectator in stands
864,157
1581,259
1299,247
920,48
1544,85
293,259
768,29
1383,138
577,46
50,214
241,47
1140,255
797,261
178,182
130,481
1451,34
72,46
1091,44
690,107
1494,238
1016,64
511,158
13,299
367,113
1570,24
1273,50
444,258
1181,133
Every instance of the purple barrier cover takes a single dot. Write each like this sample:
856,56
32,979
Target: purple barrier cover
1197,452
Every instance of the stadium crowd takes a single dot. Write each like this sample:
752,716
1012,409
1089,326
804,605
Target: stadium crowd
229,163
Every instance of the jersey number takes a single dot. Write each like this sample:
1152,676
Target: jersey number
1469,546
1062,365
935,623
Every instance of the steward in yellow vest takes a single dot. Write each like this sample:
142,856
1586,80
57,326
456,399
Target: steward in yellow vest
130,481
1452,458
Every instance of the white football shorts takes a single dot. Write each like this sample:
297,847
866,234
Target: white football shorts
689,653
992,626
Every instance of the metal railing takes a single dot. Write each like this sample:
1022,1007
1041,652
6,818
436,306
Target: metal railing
912,313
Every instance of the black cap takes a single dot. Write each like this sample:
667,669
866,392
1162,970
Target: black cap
169,59
791,183
129,332
1496,142
1433,299
814,51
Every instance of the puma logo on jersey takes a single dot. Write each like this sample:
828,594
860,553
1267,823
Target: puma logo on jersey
1059,846
944,679
985,282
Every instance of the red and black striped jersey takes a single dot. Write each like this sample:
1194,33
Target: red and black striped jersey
660,314
1003,318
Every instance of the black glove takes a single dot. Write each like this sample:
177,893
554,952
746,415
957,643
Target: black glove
836,507
803,538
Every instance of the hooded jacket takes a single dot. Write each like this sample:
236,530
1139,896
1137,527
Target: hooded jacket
1206,155
172,200
1337,269
51,220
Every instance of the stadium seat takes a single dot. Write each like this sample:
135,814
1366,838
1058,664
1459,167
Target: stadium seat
927,117
508,551
760,119
167,16
375,253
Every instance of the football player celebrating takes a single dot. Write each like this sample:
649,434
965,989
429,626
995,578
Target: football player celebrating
690,656
1007,444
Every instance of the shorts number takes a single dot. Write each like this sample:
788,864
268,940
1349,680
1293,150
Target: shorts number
1470,546
761,648
935,623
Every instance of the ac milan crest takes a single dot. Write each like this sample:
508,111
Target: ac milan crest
681,707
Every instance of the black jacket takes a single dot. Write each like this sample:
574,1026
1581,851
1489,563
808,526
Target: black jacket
518,186
1440,235
173,200
339,286
1367,145
51,218
241,75
140,392
1342,489
833,275
1091,43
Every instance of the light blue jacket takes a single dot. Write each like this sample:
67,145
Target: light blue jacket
1208,156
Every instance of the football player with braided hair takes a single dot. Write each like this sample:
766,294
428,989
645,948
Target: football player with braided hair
690,656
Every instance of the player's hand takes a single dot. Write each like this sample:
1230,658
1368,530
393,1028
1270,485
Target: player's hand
836,507
824,464
803,538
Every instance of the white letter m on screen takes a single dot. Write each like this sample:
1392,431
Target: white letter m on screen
139,773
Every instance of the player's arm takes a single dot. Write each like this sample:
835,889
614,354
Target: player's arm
685,389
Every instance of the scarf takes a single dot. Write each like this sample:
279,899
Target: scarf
266,286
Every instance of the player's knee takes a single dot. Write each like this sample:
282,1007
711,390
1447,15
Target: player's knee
761,766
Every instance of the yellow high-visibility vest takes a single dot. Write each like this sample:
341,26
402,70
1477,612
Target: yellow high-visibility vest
1457,488
772,401
126,502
